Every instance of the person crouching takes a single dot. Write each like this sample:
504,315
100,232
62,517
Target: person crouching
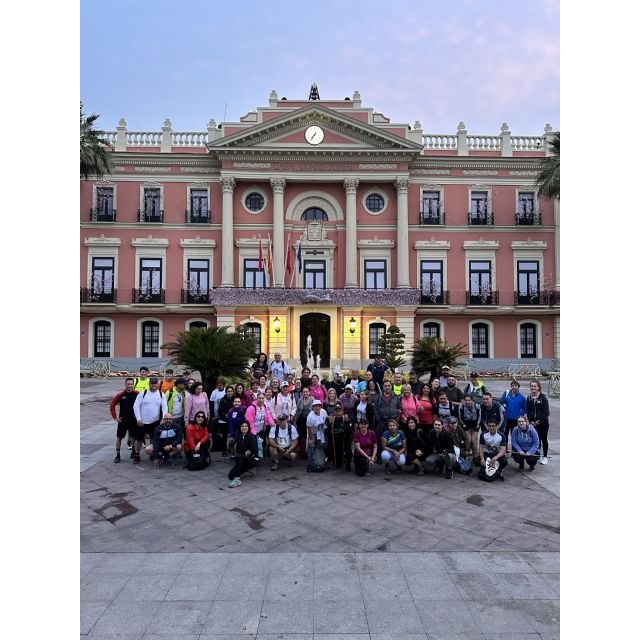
246,457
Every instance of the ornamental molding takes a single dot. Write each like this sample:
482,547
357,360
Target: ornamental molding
474,172
316,156
151,183
373,165
319,199
252,165
481,244
104,183
479,186
376,243
430,185
249,242
197,169
197,242
523,173
402,184
228,184
432,244
198,185
102,241
429,172
278,185
528,244
351,185
150,241
153,169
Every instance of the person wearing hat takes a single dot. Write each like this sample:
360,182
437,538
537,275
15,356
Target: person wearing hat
284,402
150,408
444,376
176,402
475,387
337,383
348,400
283,442
317,422
339,445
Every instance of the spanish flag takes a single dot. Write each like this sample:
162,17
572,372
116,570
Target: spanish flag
260,263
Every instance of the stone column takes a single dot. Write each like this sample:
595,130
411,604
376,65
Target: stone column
228,185
402,187
167,135
351,237
278,185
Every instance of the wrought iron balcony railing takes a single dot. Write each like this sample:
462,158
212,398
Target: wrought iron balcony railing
100,215
481,218
194,296
528,219
428,217
151,216
147,296
197,217
483,298
434,298
92,295
541,297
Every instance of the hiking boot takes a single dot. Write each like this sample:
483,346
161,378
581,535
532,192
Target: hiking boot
386,469
275,466
136,458
449,474
235,482
117,458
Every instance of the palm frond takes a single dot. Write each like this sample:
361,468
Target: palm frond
95,160
548,178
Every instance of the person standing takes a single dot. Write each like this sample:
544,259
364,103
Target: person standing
150,408
538,416
515,406
475,387
425,408
222,423
142,382
279,368
454,395
378,368
196,401
176,402
167,381
126,420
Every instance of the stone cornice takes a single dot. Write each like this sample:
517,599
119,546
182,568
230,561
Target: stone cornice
102,242
149,241
193,243
472,162
376,243
431,244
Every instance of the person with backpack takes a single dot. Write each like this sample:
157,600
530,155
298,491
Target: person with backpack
197,443
167,381
439,452
150,407
491,409
303,409
493,448
475,388
176,402
468,414
127,419
317,422
141,383
278,368
260,421
220,435
339,439
246,458
538,416
525,443
283,442
167,444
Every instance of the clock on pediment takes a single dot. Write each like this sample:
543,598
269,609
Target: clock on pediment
314,134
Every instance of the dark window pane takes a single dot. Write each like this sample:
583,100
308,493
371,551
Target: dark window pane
254,201
375,202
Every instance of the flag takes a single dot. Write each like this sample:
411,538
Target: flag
260,265
289,259
299,257
269,265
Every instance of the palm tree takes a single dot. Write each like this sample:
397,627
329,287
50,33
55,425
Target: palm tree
430,354
548,178
94,158
213,352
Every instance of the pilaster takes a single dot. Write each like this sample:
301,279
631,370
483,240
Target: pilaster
278,185
228,185
351,271
402,188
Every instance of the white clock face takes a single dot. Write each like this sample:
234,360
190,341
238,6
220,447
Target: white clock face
314,135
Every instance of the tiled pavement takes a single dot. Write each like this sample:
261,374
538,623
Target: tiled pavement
172,553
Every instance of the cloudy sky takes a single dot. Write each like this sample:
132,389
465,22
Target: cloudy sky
484,62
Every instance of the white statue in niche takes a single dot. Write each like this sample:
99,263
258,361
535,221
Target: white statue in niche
318,364
309,354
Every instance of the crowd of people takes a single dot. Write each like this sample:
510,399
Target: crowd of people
351,422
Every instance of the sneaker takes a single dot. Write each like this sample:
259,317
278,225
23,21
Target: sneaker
449,474
236,482
531,469
136,458
117,458
544,460
275,466
129,444
420,472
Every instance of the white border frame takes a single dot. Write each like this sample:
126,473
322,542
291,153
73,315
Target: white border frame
538,326
195,186
367,325
263,326
91,340
536,202
101,184
437,321
530,253
376,249
378,192
431,187
247,192
139,322
489,192
489,323
149,185
190,320
98,249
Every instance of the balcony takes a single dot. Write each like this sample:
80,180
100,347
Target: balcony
536,298
528,218
147,296
92,295
101,215
203,216
434,298
483,298
155,217
430,218
194,296
485,218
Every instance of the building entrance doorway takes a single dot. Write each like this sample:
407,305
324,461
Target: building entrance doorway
318,326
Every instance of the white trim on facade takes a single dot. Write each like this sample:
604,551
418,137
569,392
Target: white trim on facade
491,336
99,184
91,338
196,249
102,248
198,186
320,199
480,250
538,326
190,320
432,250
247,192
139,322
375,249
379,192
151,185
150,248
482,188
436,321
530,251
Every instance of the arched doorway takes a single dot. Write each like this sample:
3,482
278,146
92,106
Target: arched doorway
318,326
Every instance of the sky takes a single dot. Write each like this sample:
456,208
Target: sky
483,63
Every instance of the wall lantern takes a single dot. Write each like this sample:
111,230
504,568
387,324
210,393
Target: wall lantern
352,325
276,325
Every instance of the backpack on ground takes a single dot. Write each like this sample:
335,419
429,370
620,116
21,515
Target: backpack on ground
197,461
217,442
318,459
488,473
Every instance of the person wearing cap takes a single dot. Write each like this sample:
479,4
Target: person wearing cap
337,383
142,382
283,442
493,446
339,439
378,368
150,408
317,422
348,400
176,402
126,420
439,451
475,387
365,451
167,381
284,402
444,375
515,405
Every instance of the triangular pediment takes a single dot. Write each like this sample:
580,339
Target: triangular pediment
341,133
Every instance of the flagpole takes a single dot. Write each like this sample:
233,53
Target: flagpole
285,260
293,271
270,260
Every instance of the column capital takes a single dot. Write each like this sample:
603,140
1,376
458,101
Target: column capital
402,185
228,184
278,185
351,185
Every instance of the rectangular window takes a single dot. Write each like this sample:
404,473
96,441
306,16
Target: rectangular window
102,280
150,280
479,213
104,211
150,339
526,208
376,330
528,282
430,213
314,274
431,279
199,206
253,278
152,211
102,339
480,340
254,329
431,330
528,340
375,274
198,281
480,290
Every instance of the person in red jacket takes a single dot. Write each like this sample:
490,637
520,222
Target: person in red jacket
127,418
197,438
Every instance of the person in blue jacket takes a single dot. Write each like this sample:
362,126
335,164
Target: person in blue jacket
525,443
515,404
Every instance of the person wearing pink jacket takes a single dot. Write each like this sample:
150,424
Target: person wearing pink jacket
197,400
260,419
316,390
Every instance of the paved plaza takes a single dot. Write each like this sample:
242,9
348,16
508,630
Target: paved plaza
170,553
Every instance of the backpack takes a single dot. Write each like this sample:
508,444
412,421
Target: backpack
197,461
489,474
278,431
317,461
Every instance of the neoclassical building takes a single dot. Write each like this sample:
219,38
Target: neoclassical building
321,218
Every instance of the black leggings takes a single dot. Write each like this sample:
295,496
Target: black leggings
242,465
342,453
361,463
543,433
217,426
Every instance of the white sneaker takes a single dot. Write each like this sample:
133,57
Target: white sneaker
544,460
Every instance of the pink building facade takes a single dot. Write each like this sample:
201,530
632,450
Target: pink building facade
369,223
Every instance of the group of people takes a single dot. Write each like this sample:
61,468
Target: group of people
426,427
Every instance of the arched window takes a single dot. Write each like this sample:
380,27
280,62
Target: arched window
314,214
254,329
150,339
376,329
197,324
528,340
102,339
480,340
431,330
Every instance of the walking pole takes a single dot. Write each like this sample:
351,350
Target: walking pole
333,444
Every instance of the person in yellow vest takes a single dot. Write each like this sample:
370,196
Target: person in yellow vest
142,382
398,383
